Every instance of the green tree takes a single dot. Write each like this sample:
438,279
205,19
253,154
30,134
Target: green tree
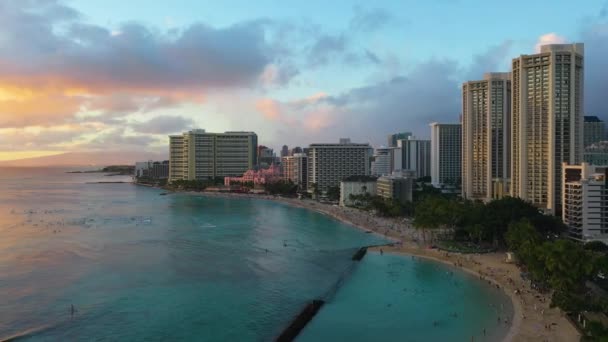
430,214
568,265
596,246
523,239
333,193
498,214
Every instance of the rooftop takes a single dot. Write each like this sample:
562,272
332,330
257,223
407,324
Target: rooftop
592,118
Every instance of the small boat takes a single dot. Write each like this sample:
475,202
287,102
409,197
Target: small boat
163,193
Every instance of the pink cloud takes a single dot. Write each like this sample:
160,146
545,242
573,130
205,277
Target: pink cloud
269,109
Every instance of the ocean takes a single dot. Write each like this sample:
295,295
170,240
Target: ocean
138,266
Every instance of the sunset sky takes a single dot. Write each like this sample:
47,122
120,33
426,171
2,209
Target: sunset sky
117,75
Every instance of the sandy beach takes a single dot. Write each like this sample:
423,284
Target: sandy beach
533,319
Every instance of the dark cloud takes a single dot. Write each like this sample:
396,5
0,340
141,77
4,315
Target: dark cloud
595,38
164,124
134,58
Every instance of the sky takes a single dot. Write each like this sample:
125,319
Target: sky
119,76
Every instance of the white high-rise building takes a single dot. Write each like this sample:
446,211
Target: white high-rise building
413,154
381,162
328,164
446,149
486,138
546,122
584,201
201,155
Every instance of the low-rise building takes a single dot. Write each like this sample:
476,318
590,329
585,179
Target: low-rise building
152,170
256,177
356,185
395,187
585,201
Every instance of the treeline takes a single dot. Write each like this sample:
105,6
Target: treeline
196,184
561,265
381,206
481,222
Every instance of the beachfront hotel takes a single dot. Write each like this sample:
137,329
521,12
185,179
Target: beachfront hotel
200,155
295,169
486,138
328,164
412,154
584,201
446,146
546,122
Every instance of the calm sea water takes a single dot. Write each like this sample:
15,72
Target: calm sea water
140,266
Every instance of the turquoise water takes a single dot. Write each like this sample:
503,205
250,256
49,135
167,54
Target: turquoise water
410,299
139,266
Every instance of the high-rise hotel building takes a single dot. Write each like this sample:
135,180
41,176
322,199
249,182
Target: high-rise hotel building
445,157
200,155
486,139
547,122
328,164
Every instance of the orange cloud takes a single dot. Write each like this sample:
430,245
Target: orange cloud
269,108
21,107
309,112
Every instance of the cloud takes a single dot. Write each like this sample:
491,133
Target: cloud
369,19
44,138
326,48
595,38
278,75
269,109
430,92
549,38
65,65
164,124
494,59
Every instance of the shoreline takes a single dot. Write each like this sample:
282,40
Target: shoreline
532,320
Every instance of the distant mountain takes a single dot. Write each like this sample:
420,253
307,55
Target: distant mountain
87,159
